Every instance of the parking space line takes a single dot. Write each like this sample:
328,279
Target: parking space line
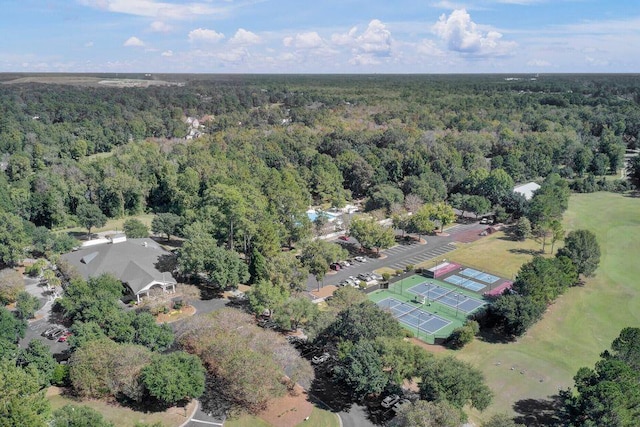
206,422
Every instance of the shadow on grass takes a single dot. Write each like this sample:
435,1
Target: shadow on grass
492,336
539,412
521,251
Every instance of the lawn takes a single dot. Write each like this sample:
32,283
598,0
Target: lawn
318,418
581,324
119,415
497,253
116,224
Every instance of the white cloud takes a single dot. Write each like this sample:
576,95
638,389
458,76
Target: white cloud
244,37
205,35
133,42
538,63
88,44
160,27
463,35
376,39
167,53
233,55
428,48
309,40
364,59
157,9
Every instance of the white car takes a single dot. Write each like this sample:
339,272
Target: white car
320,359
390,400
360,259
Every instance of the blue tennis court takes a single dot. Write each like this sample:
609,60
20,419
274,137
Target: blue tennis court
485,277
447,297
465,283
412,316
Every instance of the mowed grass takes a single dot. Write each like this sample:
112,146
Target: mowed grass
122,416
318,418
496,253
116,224
582,323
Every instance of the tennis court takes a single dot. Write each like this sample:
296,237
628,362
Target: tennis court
485,277
464,282
447,297
414,317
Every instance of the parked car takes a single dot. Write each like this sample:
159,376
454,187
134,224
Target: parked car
363,276
55,335
335,266
49,331
316,360
344,263
376,276
360,259
390,400
400,404
64,337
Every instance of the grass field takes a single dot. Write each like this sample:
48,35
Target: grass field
119,415
318,418
497,254
112,224
582,323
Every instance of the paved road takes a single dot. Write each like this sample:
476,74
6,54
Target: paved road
201,419
399,256
355,417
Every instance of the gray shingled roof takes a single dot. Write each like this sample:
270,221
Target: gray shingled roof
131,261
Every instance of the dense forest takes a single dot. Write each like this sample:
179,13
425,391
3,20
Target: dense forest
270,146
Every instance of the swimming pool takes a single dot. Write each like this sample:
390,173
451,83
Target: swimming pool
312,214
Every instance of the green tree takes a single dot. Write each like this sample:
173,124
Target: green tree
38,356
78,416
609,394
444,214
372,234
421,222
174,377
26,305
364,321
90,216
361,369
516,313
224,268
582,248
318,254
165,223
633,170
11,328
463,335
135,229
522,229
458,383
432,414
296,312
151,335
22,400
266,296
13,239
557,232
345,297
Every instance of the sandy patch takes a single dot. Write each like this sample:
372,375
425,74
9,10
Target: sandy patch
288,411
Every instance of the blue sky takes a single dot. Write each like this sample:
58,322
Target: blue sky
323,36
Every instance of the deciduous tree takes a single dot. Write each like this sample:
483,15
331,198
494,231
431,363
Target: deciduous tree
90,216
174,377
582,248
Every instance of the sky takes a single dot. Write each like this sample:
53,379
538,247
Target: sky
321,36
